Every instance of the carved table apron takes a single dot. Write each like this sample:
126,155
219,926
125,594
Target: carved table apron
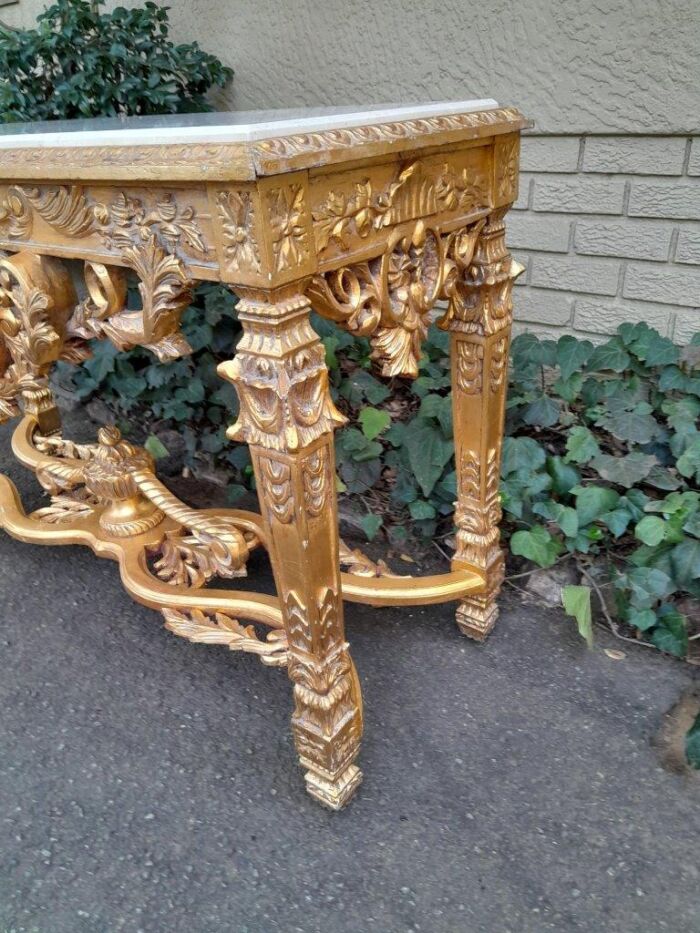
373,219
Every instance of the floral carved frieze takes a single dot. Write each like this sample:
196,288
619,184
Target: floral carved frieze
71,211
420,190
154,236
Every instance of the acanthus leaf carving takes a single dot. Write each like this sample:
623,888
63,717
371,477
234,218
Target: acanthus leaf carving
219,628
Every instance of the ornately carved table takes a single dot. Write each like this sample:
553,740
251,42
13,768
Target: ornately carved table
371,219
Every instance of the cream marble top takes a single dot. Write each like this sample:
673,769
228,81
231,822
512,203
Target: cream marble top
231,127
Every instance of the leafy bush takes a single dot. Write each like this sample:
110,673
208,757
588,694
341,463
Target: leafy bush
79,62
601,459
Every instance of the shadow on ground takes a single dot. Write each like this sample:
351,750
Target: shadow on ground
147,784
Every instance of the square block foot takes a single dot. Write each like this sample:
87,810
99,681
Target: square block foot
476,623
334,794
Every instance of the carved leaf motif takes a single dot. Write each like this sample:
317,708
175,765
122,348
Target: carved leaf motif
297,622
66,508
186,560
221,629
66,209
127,220
357,563
165,292
277,488
470,476
469,364
30,340
499,364
338,214
289,240
315,475
238,222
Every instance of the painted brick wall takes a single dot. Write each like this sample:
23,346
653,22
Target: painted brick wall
608,228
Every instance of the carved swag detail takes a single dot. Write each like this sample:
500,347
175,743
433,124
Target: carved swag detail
389,298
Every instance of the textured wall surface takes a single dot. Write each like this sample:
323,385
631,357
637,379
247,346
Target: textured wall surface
573,65
608,228
609,225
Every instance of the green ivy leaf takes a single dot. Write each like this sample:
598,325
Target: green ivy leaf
609,356
564,476
373,422
629,421
692,524
428,454
155,447
543,412
685,560
617,521
537,545
572,354
371,525
521,453
420,510
593,501
648,585
577,603
581,445
692,744
671,634
689,462
563,515
643,619
625,471
569,389
651,530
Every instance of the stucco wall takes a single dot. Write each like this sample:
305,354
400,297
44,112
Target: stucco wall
609,228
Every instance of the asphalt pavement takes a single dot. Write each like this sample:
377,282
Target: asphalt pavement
148,784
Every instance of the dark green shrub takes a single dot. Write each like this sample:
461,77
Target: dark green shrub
79,62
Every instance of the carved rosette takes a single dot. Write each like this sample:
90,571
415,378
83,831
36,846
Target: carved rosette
237,214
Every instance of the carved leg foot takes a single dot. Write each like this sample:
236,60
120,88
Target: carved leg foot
287,417
477,615
479,319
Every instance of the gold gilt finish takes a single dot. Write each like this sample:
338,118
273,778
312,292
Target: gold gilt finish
379,228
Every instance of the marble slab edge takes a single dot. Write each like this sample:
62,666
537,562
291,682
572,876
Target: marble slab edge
244,161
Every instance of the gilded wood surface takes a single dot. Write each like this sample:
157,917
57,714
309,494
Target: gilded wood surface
373,226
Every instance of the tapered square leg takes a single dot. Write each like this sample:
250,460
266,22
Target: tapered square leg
479,320
287,417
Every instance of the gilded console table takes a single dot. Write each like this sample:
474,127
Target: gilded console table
373,219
